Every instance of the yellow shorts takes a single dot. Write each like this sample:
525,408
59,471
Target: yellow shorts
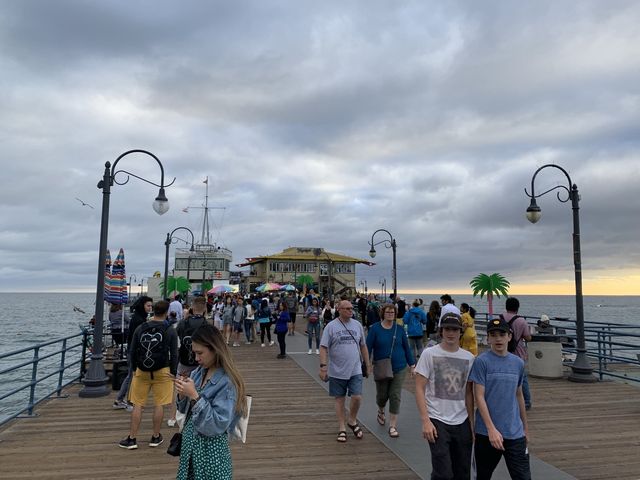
161,385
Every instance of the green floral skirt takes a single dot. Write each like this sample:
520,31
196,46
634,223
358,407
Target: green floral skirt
204,457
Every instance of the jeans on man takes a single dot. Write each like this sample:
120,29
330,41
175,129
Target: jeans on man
415,343
451,452
516,456
313,329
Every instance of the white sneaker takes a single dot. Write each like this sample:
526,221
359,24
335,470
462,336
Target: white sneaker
236,344
171,422
309,352
317,352
271,343
262,345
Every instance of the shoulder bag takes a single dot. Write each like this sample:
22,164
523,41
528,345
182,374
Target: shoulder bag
383,369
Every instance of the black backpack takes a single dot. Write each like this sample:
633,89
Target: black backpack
153,348
327,316
513,343
186,355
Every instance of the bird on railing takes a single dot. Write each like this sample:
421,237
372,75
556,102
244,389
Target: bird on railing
85,204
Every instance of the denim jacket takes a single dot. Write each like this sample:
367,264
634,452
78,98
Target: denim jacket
214,412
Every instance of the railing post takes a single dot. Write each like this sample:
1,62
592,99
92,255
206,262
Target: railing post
85,339
61,374
34,375
600,366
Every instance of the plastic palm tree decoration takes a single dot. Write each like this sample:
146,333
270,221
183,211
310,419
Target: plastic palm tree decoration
490,285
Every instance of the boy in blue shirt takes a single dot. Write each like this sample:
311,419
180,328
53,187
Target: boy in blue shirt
501,426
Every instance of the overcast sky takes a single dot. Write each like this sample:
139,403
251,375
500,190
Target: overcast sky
318,123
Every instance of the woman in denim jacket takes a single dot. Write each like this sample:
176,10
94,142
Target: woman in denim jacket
213,399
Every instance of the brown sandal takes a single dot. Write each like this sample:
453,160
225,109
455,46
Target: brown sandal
381,418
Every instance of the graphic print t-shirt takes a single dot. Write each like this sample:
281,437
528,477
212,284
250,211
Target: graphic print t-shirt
344,348
447,374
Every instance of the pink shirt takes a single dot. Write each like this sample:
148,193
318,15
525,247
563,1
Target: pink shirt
520,329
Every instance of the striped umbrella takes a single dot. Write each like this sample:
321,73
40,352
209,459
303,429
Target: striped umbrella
223,288
107,276
118,291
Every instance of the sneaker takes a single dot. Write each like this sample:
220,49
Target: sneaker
317,352
128,443
262,345
309,352
236,344
155,441
271,344
171,422
129,407
281,356
120,404
247,343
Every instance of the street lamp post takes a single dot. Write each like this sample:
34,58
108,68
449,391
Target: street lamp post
383,287
141,285
581,370
95,380
167,242
135,280
391,243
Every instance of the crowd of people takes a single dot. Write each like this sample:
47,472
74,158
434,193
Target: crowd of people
182,354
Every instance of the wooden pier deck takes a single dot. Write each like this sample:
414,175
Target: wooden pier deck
590,431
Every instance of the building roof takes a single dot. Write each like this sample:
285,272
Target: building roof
305,254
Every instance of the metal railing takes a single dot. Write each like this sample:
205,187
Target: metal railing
65,362
614,348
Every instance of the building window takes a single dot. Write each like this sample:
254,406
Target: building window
343,267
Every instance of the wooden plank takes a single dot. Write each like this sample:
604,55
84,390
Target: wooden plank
292,428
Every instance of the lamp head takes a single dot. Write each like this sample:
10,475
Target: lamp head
534,213
161,203
372,252
192,249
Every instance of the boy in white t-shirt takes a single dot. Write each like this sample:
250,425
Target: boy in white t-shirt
444,397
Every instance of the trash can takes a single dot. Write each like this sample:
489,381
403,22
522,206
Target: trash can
119,373
545,356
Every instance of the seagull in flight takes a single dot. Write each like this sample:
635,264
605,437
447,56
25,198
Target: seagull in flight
84,204
78,309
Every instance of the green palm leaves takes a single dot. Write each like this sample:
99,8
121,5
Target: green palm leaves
490,285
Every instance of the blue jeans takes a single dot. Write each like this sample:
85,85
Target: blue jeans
248,330
526,393
516,456
124,388
313,329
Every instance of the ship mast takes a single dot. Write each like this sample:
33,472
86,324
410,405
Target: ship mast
205,220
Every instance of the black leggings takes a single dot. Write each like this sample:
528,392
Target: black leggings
281,341
265,327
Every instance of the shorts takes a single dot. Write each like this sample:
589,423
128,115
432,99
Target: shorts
339,387
161,385
237,326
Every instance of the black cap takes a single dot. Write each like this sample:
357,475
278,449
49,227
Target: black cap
451,320
498,324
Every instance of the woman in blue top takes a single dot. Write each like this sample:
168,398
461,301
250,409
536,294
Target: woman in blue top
213,399
386,339
282,328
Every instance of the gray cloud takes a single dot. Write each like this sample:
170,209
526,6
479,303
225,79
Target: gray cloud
317,124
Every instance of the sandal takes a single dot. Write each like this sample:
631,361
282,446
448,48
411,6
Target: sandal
381,419
342,436
393,433
357,431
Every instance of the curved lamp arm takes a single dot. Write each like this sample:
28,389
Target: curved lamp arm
534,212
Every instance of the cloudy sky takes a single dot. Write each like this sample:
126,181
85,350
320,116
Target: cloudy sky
318,123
